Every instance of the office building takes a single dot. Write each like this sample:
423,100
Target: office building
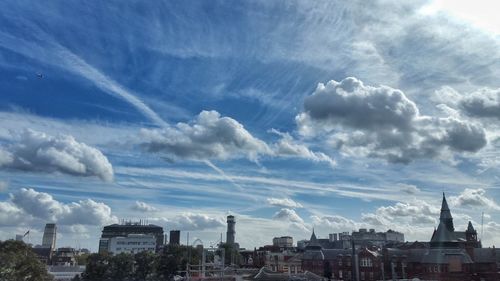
175,237
125,229
131,244
49,236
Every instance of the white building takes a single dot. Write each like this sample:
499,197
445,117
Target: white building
131,244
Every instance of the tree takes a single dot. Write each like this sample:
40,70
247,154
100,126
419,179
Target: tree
97,268
19,262
121,267
167,262
145,266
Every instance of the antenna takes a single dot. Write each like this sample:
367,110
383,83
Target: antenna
482,224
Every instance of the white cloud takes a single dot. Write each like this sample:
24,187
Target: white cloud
415,212
289,215
39,152
288,147
474,198
334,223
40,205
191,221
284,202
143,207
210,136
382,122
10,214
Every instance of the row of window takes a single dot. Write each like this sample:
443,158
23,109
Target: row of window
134,243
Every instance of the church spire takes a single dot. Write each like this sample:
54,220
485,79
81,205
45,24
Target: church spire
445,216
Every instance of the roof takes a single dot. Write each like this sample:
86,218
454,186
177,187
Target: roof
445,256
313,254
486,255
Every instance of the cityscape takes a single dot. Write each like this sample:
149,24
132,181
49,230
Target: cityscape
178,140
364,254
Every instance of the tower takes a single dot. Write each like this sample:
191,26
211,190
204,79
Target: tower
445,216
470,233
49,236
230,230
444,236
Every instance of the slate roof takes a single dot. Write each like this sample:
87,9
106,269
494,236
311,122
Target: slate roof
444,256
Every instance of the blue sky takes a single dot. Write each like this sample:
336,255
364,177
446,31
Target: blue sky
287,114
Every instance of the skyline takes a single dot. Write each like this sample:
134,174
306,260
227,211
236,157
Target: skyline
288,115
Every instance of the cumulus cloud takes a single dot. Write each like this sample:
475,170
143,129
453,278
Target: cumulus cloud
40,205
482,103
143,207
288,147
289,215
10,214
382,122
210,136
39,152
474,198
284,202
335,222
416,212
191,221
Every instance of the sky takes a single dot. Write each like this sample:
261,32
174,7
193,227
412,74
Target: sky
289,115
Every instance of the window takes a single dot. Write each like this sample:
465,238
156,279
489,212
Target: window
340,262
366,262
362,275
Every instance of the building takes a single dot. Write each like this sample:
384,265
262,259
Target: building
175,237
283,242
127,228
449,256
131,244
365,237
65,273
49,236
65,256
231,232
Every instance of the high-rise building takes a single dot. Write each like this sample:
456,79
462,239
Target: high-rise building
230,230
127,228
175,237
49,236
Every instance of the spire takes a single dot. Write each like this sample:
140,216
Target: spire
313,243
470,228
313,237
445,216
445,232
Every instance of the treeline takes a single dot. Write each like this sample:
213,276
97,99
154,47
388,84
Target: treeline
19,262
144,266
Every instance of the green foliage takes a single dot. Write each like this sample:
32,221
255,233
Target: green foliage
144,266
97,268
18,262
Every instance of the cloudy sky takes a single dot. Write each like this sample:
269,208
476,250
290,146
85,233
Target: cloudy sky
287,114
